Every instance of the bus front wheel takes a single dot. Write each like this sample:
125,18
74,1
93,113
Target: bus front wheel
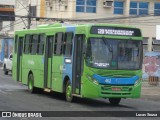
68,92
114,101
31,87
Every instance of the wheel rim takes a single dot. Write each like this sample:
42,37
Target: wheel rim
68,92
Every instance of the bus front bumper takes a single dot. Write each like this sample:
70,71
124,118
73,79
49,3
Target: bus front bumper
91,90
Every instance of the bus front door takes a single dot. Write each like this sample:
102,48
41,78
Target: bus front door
19,59
77,63
48,62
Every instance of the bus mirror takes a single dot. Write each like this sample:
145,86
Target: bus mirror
67,60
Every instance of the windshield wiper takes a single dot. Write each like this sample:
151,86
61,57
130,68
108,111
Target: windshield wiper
106,43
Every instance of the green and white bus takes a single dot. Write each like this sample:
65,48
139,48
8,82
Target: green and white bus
90,60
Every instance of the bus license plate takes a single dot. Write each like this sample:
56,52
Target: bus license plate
116,89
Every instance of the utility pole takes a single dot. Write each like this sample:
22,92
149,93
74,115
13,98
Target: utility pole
1,25
29,16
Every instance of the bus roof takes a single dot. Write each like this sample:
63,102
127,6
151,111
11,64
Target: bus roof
62,25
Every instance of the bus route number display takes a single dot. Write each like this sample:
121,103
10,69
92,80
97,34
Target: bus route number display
115,31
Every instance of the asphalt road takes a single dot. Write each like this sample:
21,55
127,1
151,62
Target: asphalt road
15,97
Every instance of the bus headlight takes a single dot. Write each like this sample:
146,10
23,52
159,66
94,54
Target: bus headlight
93,80
136,82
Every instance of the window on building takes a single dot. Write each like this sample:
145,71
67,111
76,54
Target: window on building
87,6
139,8
145,44
34,11
157,9
155,44
118,7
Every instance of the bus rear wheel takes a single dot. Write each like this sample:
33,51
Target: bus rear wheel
68,92
114,101
31,87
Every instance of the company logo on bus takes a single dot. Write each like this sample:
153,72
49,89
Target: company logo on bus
108,80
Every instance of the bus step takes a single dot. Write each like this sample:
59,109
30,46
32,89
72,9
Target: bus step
47,90
76,95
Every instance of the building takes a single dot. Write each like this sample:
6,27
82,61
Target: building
7,18
148,12
22,9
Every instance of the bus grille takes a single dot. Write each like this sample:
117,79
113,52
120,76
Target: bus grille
125,90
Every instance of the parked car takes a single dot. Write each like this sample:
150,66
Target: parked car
7,64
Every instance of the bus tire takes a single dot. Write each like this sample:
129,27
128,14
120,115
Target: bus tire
114,101
31,87
68,92
5,70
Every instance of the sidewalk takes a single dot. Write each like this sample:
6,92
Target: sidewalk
150,92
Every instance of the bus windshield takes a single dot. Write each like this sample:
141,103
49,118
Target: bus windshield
113,53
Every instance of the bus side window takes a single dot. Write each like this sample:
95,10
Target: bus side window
34,42
50,45
15,44
40,49
67,44
58,44
26,44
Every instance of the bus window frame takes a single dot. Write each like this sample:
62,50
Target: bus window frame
38,47
31,44
64,48
61,49
53,39
15,43
24,47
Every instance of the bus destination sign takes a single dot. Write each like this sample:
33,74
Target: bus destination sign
116,31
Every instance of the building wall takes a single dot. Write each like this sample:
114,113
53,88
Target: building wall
21,8
5,25
147,24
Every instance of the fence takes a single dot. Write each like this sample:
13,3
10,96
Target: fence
153,80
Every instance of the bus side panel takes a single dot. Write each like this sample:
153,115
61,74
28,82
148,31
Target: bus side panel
67,71
25,69
57,67
39,71
35,65
88,89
